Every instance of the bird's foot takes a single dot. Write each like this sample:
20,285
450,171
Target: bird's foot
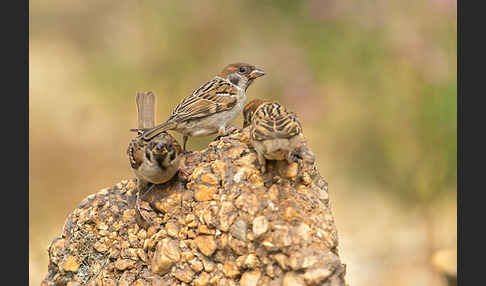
233,129
143,219
227,131
293,157
184,173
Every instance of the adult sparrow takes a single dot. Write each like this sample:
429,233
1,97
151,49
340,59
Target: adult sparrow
275,132
155,161
211,107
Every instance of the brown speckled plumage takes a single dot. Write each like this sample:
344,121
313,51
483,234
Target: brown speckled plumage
272,120
153,161
211,107
275,132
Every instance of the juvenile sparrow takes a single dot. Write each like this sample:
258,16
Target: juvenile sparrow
275,132
211,107
155,161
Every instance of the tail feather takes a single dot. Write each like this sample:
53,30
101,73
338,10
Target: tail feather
153,132
146,109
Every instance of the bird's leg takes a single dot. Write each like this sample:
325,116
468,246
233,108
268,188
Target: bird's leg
184,142
144,219
184,173
262,162
305,155
221,132
232,129
293,156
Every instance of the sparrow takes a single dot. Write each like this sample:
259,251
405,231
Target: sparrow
155,161
275,132
211,107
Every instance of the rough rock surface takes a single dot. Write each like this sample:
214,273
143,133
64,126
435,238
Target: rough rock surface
224,224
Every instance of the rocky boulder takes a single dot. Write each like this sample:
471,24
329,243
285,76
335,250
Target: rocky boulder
223,224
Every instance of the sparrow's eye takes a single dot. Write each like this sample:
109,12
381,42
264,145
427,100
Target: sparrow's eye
242,69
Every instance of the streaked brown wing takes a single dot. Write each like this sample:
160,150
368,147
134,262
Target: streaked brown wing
135,152
272,120
213,97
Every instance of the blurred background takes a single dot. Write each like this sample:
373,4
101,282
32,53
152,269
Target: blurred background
374,84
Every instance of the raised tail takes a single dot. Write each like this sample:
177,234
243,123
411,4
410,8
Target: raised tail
146,109
152,132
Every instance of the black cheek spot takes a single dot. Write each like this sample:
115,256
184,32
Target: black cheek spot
234,79
172,156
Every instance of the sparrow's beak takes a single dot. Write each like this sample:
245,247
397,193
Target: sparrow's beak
160,148
256,73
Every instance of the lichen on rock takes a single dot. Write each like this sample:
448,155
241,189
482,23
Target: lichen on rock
224,224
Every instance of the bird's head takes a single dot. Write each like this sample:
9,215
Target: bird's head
250,109
162,152
241,74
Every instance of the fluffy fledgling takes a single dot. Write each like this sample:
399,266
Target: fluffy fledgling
155,161
211,107
275,132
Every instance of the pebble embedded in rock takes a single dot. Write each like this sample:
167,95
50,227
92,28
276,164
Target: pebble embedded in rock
204,193
202,280
291,214
203,229
209,265
230,269
196,264
184,274
293,279
138,282
206,244
227,215
250,278
172,229
260,226
251,261
291,170
126,279
166,254
209,179
316,276
142,255
71,264
238,229
281,260
122,264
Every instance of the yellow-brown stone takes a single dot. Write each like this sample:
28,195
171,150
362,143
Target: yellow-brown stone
292,170
204,193
122,264
206,244
250,278
230,269
209,179
71,264
202,280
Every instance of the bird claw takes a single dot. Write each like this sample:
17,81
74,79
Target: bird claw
142,219
293,157
228,131
232,129
306,155
184,174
